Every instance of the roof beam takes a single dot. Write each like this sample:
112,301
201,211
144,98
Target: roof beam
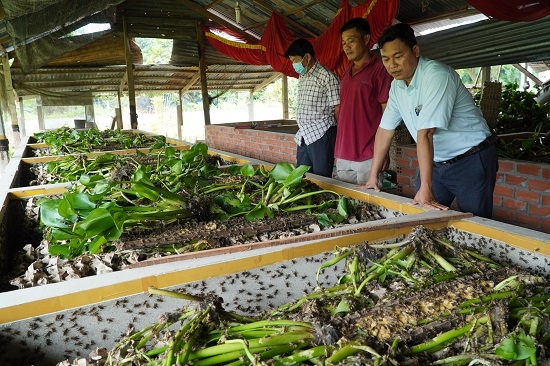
528,74
293,11
207,14
213,3
266,82
287,19
191,83
451,14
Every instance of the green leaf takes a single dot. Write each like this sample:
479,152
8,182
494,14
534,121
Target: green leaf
343,207
61,250
64,234
324,220
49,214
296,176
343,307
200,148
247,170
95,245
516,346
281,171
258,213
98,221
176,166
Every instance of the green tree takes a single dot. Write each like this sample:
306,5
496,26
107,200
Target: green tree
155,51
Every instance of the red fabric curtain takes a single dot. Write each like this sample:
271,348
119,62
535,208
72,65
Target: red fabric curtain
513,10
277,37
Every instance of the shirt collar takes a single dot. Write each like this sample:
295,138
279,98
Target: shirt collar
371,61
414,81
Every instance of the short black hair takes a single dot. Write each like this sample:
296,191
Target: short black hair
400,31
360,24
300,47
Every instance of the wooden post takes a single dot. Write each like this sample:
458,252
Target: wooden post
119,123
118,116
285,97
10,96
40,114
22,117
4,146
251,106
202,70
180,113
130,73
90,114
485,74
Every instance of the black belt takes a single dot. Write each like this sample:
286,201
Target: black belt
474,150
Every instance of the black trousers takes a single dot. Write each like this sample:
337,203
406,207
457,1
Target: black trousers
319,155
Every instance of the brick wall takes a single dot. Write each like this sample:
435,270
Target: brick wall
522,191
272,147
521,197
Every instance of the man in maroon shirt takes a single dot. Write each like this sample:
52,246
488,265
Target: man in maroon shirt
364,89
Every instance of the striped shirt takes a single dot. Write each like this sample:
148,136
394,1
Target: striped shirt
318,93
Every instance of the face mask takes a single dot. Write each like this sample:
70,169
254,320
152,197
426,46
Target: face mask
299,68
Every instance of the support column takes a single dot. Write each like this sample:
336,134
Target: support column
485,74
10,96
202,70
251,106
285,97
118,112
130,73
22,117
179,111
4,146
40,114
90,114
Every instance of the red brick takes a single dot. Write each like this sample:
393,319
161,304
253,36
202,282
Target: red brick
505,215
545,226
514,204
541,211
546,173
530,169
528,221
408,172
539,185
403,179
402,162
409,151
504,191
501,178
546,199
516,181
415,163
506,166
497,200
527,196
407,192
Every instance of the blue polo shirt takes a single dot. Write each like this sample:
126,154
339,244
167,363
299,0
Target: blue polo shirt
436,98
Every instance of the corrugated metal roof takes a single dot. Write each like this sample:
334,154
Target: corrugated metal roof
490,42
484,43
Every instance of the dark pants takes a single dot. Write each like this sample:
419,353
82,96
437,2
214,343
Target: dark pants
471,180
319,155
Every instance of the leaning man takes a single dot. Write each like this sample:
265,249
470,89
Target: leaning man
318,101
456,151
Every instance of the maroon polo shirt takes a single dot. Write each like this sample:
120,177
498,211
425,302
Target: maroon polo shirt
361,99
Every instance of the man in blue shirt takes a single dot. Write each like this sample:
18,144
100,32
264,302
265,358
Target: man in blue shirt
456,152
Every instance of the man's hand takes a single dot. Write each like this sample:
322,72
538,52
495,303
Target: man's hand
372,182
426,198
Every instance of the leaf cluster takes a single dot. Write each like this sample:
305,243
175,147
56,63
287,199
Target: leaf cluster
178,185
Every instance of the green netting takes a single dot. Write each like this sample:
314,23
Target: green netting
41,30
